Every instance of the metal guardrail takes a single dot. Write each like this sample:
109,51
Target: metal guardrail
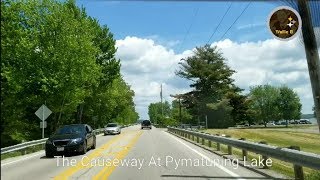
34,143
298,158
23,145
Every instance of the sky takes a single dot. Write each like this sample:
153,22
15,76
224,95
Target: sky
152,37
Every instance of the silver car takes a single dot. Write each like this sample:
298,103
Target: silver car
112,128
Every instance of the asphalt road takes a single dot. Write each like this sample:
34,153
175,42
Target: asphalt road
135,154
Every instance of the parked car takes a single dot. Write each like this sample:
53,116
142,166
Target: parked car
146,124
295,122
69,139
112,128
281,122
304,121
284,123
271,124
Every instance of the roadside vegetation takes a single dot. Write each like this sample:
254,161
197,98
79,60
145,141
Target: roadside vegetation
53,53
215,100
307,142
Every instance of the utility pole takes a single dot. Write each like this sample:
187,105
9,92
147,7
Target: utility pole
161,101
180,118
206,122
312,54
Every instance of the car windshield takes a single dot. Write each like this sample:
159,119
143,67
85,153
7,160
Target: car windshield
71,129
146,122
112,125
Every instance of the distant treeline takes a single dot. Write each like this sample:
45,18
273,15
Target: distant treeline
307,116
53,53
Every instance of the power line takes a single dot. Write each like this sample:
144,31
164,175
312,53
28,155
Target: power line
225,13
236,20
188,30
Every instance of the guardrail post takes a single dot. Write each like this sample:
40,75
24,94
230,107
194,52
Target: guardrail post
244,152
209,143
298,170
202,141
229,147
218,144
192,137
197,139
264,158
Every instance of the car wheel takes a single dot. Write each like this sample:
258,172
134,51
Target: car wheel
84,150
94,144
49,155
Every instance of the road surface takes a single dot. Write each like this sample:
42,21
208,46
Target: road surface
135,154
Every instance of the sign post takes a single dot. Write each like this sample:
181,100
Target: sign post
43,113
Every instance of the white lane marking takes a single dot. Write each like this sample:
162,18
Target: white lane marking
207,158
28,157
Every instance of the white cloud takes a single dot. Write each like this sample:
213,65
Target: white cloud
146,64
271,61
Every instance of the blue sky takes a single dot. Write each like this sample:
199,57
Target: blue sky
152,38
169,21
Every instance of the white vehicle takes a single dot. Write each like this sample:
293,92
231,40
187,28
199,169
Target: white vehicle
112,128
271,123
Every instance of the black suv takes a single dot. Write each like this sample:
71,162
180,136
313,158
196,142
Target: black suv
71,138
146,124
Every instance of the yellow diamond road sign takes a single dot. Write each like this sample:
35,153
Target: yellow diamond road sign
43,112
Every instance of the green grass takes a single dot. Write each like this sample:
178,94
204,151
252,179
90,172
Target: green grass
22,152
307,141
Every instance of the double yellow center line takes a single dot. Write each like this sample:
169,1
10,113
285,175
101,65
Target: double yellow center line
106,171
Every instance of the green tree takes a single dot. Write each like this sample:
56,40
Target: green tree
159,112
52,52
211,80
186,117
45,45
263,100
240,104
288,103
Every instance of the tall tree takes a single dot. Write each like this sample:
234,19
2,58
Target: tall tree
211,80
52,52
240,104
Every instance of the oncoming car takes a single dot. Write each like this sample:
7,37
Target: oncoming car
146,124
71,138
112,128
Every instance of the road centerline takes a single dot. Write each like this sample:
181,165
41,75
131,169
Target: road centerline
107,171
